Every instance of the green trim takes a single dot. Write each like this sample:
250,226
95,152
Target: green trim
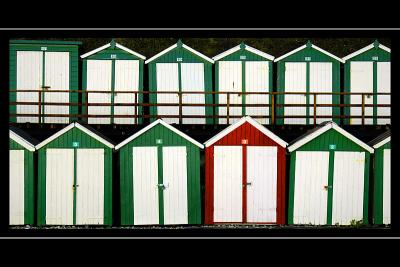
52,42
112,90
375,90
330,187
140,96
271,89
180,84
378,165
291,187
308,91
366,187
42,119
84,88
160,189
243,88
75,183
216,97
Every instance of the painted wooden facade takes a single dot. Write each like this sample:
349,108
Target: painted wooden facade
22,178
46,66
180,68
308,69
382,179
243,69
112,67
245,175
75,178
368,70
329,177
160,177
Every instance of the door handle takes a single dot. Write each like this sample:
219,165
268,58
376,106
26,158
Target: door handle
75,186
46,87
247,184
326,187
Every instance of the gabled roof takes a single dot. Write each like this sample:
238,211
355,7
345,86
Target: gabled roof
109,45
183,46
23,138
322,128
312,46
246,47
163,123
254,123
86,129
380,140
368,47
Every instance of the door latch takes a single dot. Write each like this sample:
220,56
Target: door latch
247,184
75,186
46,87
162,186
326,187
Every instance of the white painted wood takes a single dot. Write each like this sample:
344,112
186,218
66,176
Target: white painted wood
29,77
175,181
228,184
59,186
295,81
168,80
257,80
230,80
126,79
362,50
348,187
90,186
57,77
383,86
17,186
99,74
192,79
310,196
386,186
145,189
262,166
361,81
321,82
21,141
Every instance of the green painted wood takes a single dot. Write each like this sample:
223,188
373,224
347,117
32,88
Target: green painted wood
330,187
75,182
292,173
160,188
375,90
112,89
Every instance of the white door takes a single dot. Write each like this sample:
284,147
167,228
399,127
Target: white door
295,81
167,81
145,189
17,186
386,186
59,186
310,195
228,184
175,182
90,186
192,78
57,78
348,187
126,79
99,79
257,80
262,183
321,82
361,81
29,77
383,86
230,80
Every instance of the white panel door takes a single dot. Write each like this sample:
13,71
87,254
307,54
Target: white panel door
192,78
228,184
295,81
59,186
361,81
126,79
386,186
348,187
310,195
145,189
17,186
175,182
29,77
90,186
99,79
230,80
383,86
167,81
257,80
321,82
262,183
57,78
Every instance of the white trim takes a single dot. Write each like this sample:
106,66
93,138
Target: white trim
381,143
312,46
362,50
148,127
117,45
21,141
161,53
325,128
96,50
183,46
248,48
198,53
253,122
290,53
130,51
69,127
260,53
226,53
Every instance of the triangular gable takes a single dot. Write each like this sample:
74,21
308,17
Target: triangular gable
319,131
312,46
380,140
240,122
246,47
80,127
109,45
365,49
21,141
148,127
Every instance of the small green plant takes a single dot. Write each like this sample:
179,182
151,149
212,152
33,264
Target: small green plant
355,223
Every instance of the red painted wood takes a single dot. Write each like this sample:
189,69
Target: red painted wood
244,187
